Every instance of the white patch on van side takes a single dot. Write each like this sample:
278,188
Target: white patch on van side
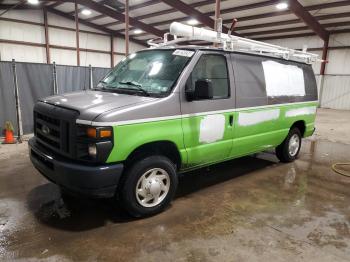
186,53
283,80
212,128
253,118
310,110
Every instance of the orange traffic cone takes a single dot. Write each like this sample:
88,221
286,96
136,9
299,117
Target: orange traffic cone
9,139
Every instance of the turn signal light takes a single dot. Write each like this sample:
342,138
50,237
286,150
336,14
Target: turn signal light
91,132
105,133
99,132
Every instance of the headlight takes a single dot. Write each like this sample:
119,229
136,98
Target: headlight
94,143
92,150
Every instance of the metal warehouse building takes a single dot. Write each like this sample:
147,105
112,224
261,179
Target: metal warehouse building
174,130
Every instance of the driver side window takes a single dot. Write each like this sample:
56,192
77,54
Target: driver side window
211,67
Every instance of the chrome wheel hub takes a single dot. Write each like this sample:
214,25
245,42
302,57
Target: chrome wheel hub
294,144
152,187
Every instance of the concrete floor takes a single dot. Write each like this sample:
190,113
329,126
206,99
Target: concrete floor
249,209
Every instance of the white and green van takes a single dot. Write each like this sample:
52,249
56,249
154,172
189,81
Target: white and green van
167,110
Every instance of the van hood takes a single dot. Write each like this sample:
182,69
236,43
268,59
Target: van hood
91,104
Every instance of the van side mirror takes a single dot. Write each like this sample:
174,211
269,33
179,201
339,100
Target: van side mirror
203,89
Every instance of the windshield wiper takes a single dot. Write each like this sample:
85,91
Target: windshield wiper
136,85
130,83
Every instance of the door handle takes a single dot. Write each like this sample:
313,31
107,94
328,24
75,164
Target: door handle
231,120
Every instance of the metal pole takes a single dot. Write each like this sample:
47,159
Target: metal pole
320,93
217,17
112,51
12,7
126,27
324,55
217,14
323,68
77,31
18,108
54,74
47,42
91,83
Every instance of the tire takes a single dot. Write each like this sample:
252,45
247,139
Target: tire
146,179
289,149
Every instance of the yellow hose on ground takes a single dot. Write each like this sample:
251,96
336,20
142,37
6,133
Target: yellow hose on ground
340,172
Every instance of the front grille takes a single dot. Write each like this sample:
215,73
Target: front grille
48,129
54,128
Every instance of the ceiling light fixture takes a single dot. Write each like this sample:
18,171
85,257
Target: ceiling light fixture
86,12
192,22
33,2
138,31
282,6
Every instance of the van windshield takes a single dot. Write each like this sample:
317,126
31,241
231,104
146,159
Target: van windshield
149,73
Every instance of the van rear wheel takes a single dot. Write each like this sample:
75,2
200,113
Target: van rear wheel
149,186
289,149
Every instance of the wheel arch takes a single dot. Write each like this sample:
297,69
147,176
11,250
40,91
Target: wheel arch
300,124
166,148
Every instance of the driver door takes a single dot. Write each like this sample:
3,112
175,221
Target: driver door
208,123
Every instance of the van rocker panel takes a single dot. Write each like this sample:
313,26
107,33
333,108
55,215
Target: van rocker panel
94,181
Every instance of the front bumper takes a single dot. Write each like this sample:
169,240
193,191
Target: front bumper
82,179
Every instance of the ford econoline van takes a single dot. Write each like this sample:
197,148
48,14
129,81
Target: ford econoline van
168,110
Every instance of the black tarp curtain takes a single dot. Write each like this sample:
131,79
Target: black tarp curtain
36,81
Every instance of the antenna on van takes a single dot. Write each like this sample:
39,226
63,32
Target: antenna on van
185,33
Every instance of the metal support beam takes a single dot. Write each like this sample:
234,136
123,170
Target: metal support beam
217,14
245,7
92,25
94,18
161,12
17,102
292,29
126,27
47,41
112,51
77,31
324,55
192,12
91,79
282,36
22,5
308,19
55,4
323,69
340,31
82,8
292,21
54,76
61,47
259,16
120,16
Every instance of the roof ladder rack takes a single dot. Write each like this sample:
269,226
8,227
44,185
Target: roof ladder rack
184,33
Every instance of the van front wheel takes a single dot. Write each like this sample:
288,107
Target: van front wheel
149,186
289,149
